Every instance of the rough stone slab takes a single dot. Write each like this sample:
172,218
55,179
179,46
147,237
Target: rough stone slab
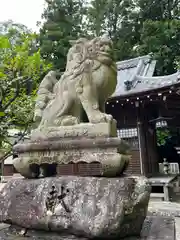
159,227
164,208
154,228
74,131
4,226
86,206
177,226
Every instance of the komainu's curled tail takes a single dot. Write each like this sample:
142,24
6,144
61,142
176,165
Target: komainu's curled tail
45,94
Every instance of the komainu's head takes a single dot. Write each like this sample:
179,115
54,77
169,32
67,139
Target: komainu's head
83,49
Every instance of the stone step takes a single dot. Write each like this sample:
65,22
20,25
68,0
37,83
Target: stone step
164,208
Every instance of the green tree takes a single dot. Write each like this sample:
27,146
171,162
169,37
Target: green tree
115,18
157,28
12,29
162,39
156,10
63,21
162,135
96,16
21,69
139,27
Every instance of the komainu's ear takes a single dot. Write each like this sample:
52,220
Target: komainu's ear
80,40
72,42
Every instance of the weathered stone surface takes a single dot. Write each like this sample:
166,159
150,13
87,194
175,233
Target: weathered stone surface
154,228
112,164
90,207
81,130
88,150
76,144
159,228
164,208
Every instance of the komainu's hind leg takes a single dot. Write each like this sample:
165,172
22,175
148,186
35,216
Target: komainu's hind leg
67,120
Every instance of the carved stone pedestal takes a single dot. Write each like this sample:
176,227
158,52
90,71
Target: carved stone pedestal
45,154
84,143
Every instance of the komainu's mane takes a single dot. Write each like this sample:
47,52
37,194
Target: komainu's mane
82,54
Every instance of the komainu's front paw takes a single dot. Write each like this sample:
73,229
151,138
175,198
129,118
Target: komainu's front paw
101,117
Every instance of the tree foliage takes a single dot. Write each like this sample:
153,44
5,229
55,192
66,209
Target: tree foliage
136,27
115,18
156,10
158,30
63,21
162,39
13,30
21,68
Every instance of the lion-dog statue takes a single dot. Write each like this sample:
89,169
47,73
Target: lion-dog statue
77,97
89,79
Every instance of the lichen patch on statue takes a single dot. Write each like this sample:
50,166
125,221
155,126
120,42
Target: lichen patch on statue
89,79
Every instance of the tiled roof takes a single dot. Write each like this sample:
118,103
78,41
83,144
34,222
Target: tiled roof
135,76
133,63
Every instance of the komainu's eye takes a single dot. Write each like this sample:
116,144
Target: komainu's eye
90,49
78,48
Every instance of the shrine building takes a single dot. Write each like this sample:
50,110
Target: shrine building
141,104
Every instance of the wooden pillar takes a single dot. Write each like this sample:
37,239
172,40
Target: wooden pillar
147,143
152,149
142,148
142,141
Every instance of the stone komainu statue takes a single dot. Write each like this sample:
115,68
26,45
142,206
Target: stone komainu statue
89,79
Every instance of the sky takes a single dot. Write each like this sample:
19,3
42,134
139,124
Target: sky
27,12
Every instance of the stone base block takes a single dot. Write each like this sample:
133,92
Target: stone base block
82,130
82,206
154,228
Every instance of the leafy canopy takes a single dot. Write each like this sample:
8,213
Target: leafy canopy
21,69
63,21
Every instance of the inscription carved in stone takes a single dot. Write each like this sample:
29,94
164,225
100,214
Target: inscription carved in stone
54,199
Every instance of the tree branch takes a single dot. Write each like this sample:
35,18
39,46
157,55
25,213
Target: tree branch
169,9
176,2
16,80
10,152
6,141
11,100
